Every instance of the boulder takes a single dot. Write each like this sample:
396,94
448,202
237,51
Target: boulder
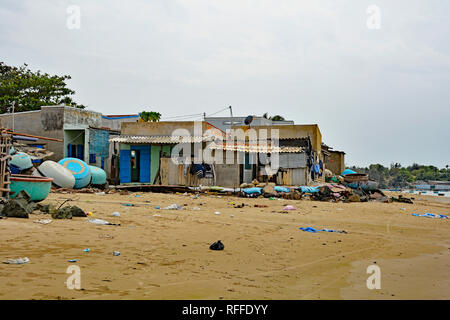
19,207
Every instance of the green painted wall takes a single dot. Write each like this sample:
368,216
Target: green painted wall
123,146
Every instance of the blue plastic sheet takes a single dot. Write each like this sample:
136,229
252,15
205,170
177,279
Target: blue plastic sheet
281,189
314,230
309,189
431,215
347,171
252,190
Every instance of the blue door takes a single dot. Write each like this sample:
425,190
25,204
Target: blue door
144,162
125,166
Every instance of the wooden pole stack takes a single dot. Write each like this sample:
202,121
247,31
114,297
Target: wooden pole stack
5,157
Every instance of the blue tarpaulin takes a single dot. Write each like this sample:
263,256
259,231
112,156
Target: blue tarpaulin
309,189
347,171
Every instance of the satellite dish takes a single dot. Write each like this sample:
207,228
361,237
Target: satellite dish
248,120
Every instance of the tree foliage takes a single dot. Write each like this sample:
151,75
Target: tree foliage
150,116
398,176
30,90
274,118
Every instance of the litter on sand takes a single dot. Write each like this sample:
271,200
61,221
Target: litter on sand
87,250
17,261
173,207
102,222
314,230
43,221
289,208
116,214
72,260
218,245
431,215
116,253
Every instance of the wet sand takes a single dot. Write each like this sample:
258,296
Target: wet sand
266,256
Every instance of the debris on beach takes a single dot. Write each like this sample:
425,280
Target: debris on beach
289,207
218,245
116,253
43,221
101,222
17,261
401,199
173,207
314,230
430,215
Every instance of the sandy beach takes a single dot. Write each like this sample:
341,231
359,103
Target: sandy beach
164,254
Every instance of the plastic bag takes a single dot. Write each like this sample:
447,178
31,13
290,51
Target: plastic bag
217,246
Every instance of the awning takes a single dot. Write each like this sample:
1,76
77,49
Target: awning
255,148
160,139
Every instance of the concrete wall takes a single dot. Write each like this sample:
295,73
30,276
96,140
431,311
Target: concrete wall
114,123
336,162
167,128
50,122
227,175
46,123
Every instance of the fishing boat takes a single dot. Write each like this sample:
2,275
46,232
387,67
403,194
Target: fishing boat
98,175
79,169
20,162
37,187
61,176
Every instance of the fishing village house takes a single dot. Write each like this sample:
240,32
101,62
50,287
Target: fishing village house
69,132
146,151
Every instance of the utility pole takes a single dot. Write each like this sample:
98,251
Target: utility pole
11,110
231,112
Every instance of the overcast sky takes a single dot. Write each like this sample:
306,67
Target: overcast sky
381,95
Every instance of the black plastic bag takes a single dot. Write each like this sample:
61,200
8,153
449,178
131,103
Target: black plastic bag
217,246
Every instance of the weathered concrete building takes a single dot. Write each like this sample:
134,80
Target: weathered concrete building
82,132
334,160
146,154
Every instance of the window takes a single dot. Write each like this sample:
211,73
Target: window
92,158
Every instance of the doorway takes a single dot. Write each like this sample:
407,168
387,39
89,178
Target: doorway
135,158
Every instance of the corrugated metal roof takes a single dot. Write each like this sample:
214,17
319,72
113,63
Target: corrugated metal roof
160,139
255,148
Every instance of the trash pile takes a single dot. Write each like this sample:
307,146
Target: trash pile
348,187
